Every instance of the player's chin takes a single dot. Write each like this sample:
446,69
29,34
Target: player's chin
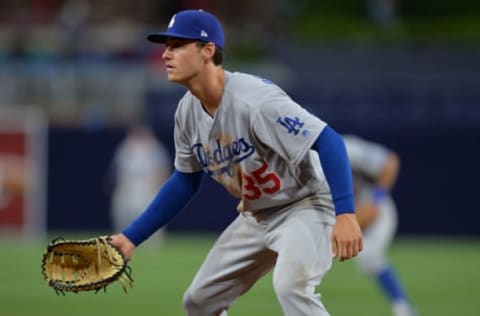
171,77
178,79
174,77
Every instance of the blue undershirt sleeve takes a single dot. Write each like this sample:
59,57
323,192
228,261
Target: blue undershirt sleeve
336,167
174,195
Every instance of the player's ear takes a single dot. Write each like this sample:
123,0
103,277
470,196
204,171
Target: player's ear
208,50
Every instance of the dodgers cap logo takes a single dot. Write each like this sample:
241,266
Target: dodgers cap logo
192,24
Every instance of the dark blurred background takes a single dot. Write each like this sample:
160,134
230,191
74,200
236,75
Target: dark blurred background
401,72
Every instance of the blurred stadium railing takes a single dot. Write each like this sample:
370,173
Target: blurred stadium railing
410,81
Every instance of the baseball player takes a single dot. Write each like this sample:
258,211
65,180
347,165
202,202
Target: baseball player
375,169
289,170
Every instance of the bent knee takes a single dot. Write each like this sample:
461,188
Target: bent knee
371,264
286,288
191,301
197,304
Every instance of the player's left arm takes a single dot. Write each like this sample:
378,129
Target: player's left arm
346,235
387,177
367,210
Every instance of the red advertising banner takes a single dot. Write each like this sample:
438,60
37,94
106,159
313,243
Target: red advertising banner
12,179
22,169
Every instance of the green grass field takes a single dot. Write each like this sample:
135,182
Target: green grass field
442,276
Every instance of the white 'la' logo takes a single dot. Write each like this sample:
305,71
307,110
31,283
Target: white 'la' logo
203,34
172,21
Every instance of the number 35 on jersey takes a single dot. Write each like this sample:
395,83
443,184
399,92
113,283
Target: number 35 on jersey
259,182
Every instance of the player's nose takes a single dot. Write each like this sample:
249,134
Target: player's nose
167,53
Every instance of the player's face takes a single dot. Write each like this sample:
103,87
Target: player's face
183,59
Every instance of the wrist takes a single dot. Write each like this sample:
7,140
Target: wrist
379,193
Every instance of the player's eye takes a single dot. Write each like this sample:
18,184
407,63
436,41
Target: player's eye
176,43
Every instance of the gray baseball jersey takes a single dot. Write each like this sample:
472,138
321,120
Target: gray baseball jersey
367,160
257,145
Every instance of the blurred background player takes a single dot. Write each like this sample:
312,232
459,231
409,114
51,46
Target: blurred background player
13,170
140,165
375,169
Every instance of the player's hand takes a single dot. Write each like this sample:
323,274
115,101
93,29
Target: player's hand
346,237
124,244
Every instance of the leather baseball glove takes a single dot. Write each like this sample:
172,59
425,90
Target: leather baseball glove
84,265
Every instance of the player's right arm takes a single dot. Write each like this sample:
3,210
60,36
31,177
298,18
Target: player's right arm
174,195
346,235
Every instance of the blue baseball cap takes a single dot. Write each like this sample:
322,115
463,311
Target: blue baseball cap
192,24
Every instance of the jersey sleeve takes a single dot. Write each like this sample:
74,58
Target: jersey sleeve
286,127
185,160
366,157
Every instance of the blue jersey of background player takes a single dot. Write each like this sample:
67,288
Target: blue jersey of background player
288,169
375,169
